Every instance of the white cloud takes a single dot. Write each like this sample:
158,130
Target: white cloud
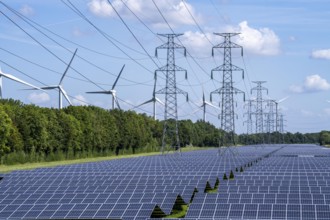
321,54
327,111
26,10
197,43
174,11
312,83
79,100
38,98
262,41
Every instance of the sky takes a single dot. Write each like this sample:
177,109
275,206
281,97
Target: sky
285,43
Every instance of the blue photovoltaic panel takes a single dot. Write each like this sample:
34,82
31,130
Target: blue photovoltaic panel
290,180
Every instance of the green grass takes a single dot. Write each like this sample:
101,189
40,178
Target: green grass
179,213
29,166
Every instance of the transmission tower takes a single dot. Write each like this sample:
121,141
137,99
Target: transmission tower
281,123
259,106
249,116
227,90
270,122
170,130
281,126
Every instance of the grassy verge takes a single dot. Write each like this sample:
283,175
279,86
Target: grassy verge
29,166
179,213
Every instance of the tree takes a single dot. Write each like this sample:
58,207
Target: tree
5,131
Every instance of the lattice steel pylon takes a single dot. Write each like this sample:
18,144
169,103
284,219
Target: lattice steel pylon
270,121
281,126
249,117
259,106
227,90
170,131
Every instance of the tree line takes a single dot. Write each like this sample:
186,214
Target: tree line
29,133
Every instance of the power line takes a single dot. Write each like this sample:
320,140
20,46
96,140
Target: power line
105,35
43,46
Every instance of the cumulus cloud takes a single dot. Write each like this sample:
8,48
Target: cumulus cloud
312,83
174,11
197,42
321,54
38,98
26,10
262,41
79,100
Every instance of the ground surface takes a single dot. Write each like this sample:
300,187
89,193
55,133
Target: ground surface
270,182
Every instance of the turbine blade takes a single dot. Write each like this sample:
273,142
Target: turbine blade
49,87
146,102
67,68
282,100
100,92
118,77
154,91
196,110
117,102
158,100
65,95
214,106
9,76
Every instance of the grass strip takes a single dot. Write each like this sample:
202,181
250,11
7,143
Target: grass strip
29,166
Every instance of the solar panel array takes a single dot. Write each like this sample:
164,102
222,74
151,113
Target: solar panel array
293,183
289,181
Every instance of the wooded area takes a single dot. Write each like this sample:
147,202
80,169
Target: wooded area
33,134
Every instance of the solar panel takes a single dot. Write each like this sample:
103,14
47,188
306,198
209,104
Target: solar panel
278,186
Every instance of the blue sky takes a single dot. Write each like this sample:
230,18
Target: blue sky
286,43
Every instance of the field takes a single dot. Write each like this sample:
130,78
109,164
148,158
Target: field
248,182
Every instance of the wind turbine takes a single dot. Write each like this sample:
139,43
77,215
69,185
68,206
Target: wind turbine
61,91
9,76
276,103
204,104
154,100
112,91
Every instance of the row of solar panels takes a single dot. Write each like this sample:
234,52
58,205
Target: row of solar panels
298,199
147,181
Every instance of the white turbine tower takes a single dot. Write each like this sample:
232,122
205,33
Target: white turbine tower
203,106
9,76
112,91
61,91
205,103
154,100
276,103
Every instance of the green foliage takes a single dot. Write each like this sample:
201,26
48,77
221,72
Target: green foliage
231,175
6,128
324,138
225,177
29,133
